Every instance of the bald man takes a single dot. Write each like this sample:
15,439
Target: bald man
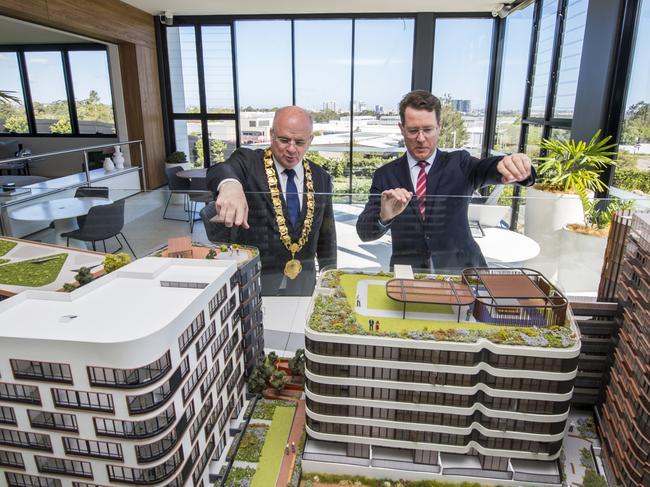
281,203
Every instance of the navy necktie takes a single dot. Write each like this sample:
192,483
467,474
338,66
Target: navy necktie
291,196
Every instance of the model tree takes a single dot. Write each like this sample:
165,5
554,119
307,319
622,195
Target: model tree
113,262
592,479
297,362
278,380
257,380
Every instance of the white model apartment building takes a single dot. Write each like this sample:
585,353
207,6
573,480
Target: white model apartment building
131,379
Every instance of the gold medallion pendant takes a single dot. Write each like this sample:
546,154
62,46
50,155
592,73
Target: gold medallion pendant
292,268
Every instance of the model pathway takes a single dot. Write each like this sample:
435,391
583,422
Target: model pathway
288,461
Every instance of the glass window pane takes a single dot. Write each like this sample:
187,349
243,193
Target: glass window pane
323,72
217,67
383,57
12,114
560,134
223,140
574,30
462,46
533,140
513,80
189,140
543,55
92,90
260,95
183,71
49,97
633,170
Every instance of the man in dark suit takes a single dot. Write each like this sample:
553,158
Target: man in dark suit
280,203
423,196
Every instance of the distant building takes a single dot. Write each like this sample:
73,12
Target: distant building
330,105
625,412
379,109
464,106
255,127
131,379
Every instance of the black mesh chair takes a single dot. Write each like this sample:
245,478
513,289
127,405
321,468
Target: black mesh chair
89,192
101,223
177,186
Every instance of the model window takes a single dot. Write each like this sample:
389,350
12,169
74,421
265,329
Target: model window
146,475
191,332
151,400
55,421
63,466
137,377
19,393
92,448
33,370
11,459
7,415
206,338
23,480
67,398
135,429
21,439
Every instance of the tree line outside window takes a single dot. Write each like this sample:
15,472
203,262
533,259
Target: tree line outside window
56,90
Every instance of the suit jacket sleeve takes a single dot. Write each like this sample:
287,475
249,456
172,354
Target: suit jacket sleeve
483,172
236,167
368,226
326,248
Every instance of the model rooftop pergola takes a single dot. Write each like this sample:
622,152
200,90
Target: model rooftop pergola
429,292
517,296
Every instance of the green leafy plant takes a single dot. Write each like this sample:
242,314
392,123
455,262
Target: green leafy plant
83,277
212,254
177,157
571,166
257,380
113,262
599,214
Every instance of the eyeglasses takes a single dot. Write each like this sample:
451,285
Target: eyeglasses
287,141
413,133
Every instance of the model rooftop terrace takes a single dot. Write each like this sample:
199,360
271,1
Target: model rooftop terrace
126,305
358,303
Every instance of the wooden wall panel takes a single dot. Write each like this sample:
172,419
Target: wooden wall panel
133,31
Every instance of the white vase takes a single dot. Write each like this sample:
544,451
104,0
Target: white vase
118,158
108,164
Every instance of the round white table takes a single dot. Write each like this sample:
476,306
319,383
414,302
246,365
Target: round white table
506,246
63,212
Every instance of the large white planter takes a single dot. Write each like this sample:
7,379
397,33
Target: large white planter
546,214
581,261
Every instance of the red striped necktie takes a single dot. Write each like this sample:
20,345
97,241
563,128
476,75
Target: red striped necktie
421,187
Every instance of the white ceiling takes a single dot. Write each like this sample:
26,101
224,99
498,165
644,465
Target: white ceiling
251,7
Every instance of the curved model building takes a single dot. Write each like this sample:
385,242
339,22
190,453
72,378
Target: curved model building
449,400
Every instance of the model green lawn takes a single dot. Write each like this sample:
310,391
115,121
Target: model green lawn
6,246
377,301
270,462
34,272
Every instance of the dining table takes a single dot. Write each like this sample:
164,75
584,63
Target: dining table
63,212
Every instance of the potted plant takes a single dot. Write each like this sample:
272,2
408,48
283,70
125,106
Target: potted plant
178,158
568,170
583,244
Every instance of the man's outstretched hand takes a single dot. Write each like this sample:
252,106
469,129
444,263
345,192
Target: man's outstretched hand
516,167
393,202
232,207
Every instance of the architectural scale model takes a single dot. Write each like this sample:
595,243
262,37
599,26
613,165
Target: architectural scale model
625,412
439,377
246,278
133,378
33,265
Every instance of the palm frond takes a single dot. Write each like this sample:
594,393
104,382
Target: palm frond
5,97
